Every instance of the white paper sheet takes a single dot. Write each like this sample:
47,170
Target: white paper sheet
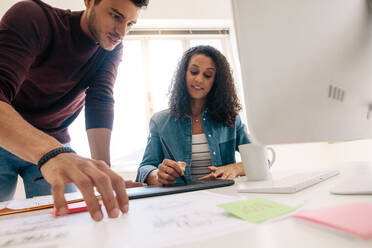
154,222
41,230
176,219
36,201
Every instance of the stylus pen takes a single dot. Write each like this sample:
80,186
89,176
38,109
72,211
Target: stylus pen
172,157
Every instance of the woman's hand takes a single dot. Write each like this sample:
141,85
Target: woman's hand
152,178
169,170
229,171
131,184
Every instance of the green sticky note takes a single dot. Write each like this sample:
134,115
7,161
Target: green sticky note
256,209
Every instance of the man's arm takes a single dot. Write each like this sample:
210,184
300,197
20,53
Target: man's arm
99,144
22,139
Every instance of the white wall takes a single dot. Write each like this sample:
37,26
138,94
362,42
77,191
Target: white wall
190,9
190,13
163,13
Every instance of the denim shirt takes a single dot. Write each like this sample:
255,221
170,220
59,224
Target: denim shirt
222,141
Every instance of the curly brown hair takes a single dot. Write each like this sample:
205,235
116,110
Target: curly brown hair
138,3
222,101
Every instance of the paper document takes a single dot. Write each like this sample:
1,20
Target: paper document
163,221
181,218
42,231
35,203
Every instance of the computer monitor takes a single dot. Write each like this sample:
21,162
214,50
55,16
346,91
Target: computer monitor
306,69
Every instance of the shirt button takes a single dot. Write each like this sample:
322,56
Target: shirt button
203,119
214,153
209,135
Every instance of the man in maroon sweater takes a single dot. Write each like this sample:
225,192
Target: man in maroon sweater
52,63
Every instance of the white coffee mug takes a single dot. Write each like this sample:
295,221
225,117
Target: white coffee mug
256,161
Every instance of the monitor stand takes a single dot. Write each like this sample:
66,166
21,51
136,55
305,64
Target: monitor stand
356,179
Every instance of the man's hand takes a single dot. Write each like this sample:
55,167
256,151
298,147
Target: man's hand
169,170
86,174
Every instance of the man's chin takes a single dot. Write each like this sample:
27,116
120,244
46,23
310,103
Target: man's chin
107,47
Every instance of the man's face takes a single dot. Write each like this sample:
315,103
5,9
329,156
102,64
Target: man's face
110,20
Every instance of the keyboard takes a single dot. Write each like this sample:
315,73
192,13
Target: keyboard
288,184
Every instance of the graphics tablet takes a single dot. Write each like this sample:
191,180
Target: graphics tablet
149,191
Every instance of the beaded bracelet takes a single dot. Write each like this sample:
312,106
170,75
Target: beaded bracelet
51,154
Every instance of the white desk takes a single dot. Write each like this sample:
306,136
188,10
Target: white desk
290,232
285,233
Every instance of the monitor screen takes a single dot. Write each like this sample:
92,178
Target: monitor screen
306,69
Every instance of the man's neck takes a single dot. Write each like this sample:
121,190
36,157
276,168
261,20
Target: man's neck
84,25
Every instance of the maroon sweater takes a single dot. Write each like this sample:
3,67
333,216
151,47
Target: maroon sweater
49,68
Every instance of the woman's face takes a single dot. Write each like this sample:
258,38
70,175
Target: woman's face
200,76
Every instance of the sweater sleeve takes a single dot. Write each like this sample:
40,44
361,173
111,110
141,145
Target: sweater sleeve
24,33
99,105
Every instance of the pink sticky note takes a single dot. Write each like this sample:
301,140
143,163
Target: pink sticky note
354,218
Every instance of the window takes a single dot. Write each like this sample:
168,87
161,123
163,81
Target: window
141,89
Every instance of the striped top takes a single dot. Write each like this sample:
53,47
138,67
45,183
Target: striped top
201,157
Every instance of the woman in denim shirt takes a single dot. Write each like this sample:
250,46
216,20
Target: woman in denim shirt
201,127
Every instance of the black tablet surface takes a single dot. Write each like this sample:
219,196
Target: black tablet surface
149,191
